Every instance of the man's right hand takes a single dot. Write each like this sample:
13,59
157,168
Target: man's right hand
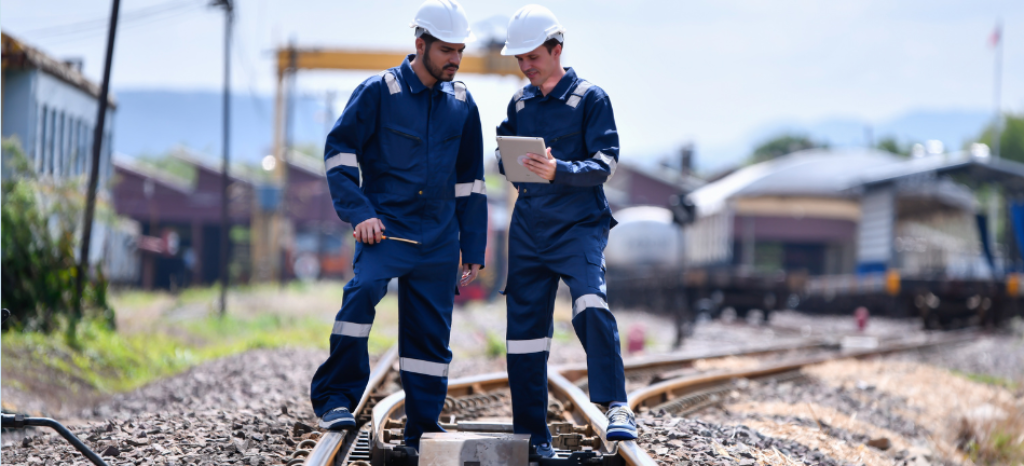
370,231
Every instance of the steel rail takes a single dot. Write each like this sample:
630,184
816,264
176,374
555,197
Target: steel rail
560,379
577,371
629,450
327,447
661,392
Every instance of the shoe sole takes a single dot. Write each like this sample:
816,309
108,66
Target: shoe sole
338,424
621,434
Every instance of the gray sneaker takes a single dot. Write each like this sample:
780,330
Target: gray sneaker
337,419
621,424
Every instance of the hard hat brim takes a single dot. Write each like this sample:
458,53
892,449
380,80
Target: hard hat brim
518,50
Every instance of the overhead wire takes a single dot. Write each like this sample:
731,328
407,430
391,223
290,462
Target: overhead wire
240,53
167,18
101,23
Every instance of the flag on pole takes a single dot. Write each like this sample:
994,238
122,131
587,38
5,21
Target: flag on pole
996,36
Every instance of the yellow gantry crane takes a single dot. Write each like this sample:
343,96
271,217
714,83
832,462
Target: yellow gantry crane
270,228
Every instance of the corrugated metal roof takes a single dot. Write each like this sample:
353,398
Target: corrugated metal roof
817,172
17,54
987,169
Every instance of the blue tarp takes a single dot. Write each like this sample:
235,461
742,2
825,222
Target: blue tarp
986,245
1017,219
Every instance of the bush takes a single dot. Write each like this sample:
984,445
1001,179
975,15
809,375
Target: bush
40,219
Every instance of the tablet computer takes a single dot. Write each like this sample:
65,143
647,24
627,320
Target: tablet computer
513,151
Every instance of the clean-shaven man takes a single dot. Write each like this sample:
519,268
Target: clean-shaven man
559,229
414,135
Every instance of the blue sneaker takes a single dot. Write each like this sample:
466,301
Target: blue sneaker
621,424
542,451
337,419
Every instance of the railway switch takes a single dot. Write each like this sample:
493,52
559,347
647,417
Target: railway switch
474,449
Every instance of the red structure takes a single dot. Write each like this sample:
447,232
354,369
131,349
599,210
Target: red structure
190,209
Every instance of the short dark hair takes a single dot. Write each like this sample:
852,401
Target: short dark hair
428,40
551,43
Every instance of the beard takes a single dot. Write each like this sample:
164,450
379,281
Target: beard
437,72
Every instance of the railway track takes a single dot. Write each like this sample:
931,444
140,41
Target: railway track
480,406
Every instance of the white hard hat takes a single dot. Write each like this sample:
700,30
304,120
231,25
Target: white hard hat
529,28
445,20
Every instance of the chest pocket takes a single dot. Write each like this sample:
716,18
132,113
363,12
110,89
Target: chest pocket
568,146
402,148
449,150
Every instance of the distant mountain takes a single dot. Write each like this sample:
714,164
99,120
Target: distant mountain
952,127
152,121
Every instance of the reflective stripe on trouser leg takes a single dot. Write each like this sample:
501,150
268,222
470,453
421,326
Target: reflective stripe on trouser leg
341,380
598,332
530,297
425,300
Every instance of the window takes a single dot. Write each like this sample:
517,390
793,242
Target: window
60,141
50,126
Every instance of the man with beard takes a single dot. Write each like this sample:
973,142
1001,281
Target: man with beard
559,228
414,135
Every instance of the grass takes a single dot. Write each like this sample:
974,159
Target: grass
154,340
495,345
999,440
989,380
996,442
112,362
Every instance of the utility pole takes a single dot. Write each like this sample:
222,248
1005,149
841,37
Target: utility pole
225,225
94,170
997,39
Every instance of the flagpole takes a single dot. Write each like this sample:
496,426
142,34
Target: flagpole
996,88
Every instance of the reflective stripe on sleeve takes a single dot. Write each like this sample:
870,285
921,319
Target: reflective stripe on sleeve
351,329
341,159
577,94
587,301
465,189
582,88
419,366
393,86
608,160
520,105
460,91
539,345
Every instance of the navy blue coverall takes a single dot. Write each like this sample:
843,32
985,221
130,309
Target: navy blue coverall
420,153
559,230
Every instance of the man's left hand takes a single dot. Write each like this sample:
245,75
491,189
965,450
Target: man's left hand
542,165
469,273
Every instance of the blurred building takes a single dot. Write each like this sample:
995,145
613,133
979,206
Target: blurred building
808,212
634,185
51,108
185,212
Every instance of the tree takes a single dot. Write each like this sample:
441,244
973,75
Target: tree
892,145
782,145
39,220
1011,139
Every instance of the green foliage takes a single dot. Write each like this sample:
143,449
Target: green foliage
988,380
495,345
892,145
1011,139
112,362
40,219
170,165
782,145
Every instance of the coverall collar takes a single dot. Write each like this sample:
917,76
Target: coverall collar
409,75
413,80
561,90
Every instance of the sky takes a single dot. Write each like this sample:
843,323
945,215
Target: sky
707,72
